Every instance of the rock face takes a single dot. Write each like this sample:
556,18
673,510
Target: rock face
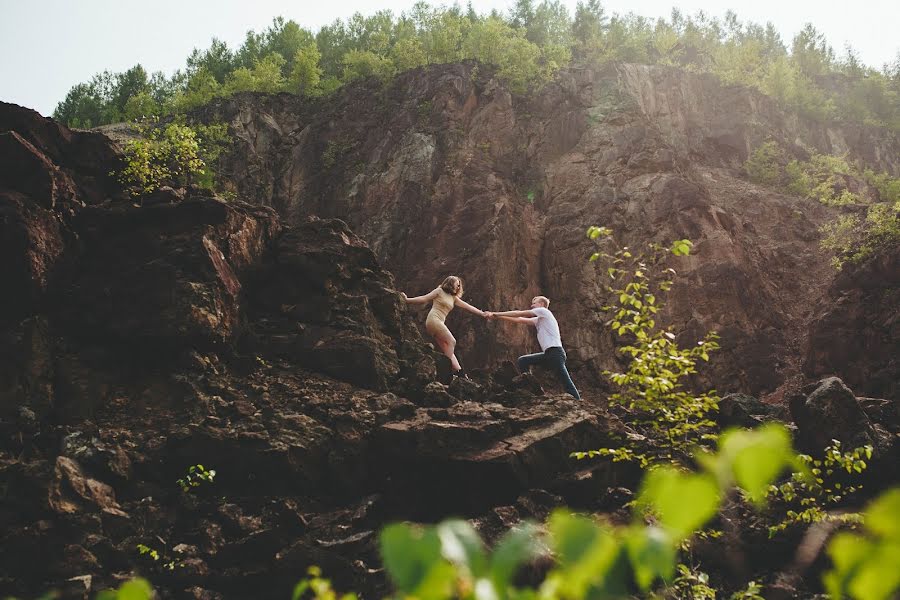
444,172
268,341
194,331
857,333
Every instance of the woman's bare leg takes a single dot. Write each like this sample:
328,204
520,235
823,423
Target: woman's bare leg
447,344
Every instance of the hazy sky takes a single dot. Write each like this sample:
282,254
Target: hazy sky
47,46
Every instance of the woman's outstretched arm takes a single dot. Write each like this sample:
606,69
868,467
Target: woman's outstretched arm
422,299
475,311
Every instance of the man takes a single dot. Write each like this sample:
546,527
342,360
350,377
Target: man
552,355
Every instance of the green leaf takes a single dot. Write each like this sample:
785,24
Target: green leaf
878,577
412,557
652,554
683,501
587,554
135,589
461,545
883,515
518,546
757,457
681,247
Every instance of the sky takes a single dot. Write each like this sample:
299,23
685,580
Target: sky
48,46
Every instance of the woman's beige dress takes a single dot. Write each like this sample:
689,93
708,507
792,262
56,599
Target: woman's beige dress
440,308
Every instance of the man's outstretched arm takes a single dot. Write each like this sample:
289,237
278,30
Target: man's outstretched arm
525,320
515,313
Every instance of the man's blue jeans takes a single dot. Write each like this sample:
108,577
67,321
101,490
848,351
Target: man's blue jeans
552,358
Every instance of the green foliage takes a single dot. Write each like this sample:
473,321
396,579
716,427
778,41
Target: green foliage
692,583
152,553
852,241
265,76
823,178
765,164
865,564
174,153
527,46
826,178
674,420
593,559
818,485
305,73
133,589
196,475
361,64
334,151
143,549
318,587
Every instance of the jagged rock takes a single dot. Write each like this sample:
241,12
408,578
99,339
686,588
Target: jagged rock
322,300
828,410
72,491
32,243
164,195
741,410
461,176
884,412
25,169
166,276
27,371
856,333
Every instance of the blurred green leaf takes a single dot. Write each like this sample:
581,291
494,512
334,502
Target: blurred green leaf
652,553
412,557
587,555
461,545
518,546
757,457
883,515
682,501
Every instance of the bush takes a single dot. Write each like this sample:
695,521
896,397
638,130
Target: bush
765,164
171,154
675,421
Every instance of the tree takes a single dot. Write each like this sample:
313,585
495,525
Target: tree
305,73
587,28
811,52
201,87
358,65
141,105
333,42
130,83
408,54
218,60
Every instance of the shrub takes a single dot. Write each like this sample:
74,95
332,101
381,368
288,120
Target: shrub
675,420
175,153
765,164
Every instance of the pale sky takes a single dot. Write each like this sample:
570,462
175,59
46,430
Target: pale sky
47,46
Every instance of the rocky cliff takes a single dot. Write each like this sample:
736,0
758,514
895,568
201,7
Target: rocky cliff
443,171
265,339
186,331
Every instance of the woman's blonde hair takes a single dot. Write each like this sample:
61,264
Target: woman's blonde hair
453,285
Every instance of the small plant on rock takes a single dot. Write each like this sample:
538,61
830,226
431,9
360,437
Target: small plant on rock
819,485
196,476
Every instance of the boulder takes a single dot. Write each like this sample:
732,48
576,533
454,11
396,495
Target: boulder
827,410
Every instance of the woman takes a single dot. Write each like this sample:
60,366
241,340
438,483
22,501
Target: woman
444,298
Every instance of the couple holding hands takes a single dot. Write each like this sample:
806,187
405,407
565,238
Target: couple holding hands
449,294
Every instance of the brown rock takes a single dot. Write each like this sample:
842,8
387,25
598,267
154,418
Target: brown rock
72,491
